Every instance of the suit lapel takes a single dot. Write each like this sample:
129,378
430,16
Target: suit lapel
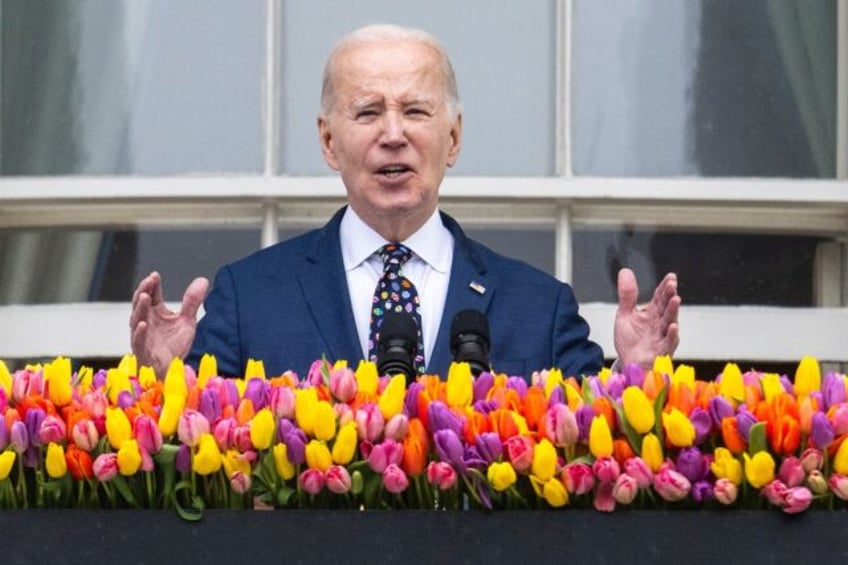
324,287
471,286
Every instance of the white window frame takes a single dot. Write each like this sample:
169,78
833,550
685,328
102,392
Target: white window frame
270,201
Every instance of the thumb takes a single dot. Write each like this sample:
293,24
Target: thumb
193,297
628,290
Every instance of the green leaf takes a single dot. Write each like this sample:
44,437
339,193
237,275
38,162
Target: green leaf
124,490
757,439
192,513
284,496
659,403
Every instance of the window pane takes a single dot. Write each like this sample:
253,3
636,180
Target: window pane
710,88
507,80
534,245
131,86
712,268
54,266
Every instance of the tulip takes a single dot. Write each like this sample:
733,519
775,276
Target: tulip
519,451
394,479
210,404
5,380
416,446
702,491
191,426
839,418
692,464
731,385
702,423
105,467
262,429
169,418
812,459
671,485
118,428
759,469
840,461
324,426
182,460
797,499
501,475
807,376
578,478
725,491
441,475
838,484
603,500
79,463
719,409
58,376
606,469
312,481
207,460
295,442
816,482
726,466
678,428
18,437
561,426
791,472
833,390
33,420
338,479
147,434
392,397
285,469
652,452
305,404
367,379
441,417
544,462
55,461
240,482
343,384
482,385
236,462
224,432
554,493
256,390
369,422
821,431
774,492
600,437
625,489
397,427
95,403
344,448
490,446
7,458
52,429
129,458
318,456
638,410
282,402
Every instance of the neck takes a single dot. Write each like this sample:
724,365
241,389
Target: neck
397,227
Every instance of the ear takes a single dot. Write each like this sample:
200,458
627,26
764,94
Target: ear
456,140
325,136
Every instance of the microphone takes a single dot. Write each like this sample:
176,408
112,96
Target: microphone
397,345
470,340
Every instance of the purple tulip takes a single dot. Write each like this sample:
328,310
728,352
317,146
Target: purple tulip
518,384
584,415
821,430
702,491
33,420
296,441
410,402
182,462
692,464
557,397
703,424
833,390
229,393
482,385
210,405
489,446
257,392
744,421
19,437
442,418
720,408
786,382
615,385
635,375
99,379
4,433
449,448
125,399
595,386
485,406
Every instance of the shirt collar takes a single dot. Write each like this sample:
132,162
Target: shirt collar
433,243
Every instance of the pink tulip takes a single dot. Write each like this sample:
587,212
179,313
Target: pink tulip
384,454
811,459
337,479
561,425
625,489
225,432
671,485
637,468
105,466
775,491
147,433
343,384
603,500
241,438
52,430
146,460
397,426
281,402
520,452
240,482
312,481
606,469
344,414
839,419
791,472
838,485
192,424
578,478
441,474
95,403
394,479
725,491
797,499
369,422
85,435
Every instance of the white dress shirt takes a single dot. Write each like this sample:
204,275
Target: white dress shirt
428,269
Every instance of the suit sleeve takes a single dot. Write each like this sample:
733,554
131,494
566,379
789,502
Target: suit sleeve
218,330
572,350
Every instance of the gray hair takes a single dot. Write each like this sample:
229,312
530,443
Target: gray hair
388,32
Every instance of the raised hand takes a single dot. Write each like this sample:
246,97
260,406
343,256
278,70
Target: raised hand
643,332
157,334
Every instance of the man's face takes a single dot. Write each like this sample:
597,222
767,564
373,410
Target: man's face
389,132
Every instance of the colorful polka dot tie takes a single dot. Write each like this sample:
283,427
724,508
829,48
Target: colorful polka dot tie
395,293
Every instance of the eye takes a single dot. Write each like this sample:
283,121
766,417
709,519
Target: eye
417,112
366,115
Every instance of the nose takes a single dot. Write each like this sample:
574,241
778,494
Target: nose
394,130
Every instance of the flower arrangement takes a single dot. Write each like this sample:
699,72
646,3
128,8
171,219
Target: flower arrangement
344,438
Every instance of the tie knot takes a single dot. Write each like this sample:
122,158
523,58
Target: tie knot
394,255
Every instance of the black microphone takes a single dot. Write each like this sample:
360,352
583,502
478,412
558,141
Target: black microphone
397,344
470,340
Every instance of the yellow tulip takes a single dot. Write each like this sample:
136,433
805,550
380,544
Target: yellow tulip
117,381
325,421
58,374
318,456
129,365
262,428
726,466
652,452
305,407
572,395
600,437
235,461
175,383
501,475
146,377
684,374
367,379
807,376
285,469
663,365
129,458
5,378
554,493
208,458
460,385
391,400
638,410
603,376
7,460
344,448
544,460
772,386
55,461
172,408
731,386
254,370
759,469
678,428
118,427
207,369
552,381
840,460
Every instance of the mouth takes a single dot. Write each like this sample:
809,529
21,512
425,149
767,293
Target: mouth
394,170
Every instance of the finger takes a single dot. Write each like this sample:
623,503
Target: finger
147,286
193,297
628,290
140,310
138,336
672,338
670,314
665,291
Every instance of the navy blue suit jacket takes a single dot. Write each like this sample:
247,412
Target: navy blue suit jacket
288,305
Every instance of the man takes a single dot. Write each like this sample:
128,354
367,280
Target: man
390,124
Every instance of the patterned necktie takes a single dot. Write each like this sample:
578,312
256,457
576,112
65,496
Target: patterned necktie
394,292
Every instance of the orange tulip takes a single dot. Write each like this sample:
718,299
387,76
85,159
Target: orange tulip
475,424
733,440
503,423
621,450
79,463
784,435
680,396
653,384
603,407
535,406
416,445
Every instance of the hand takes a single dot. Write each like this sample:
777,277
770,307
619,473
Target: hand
157,334
643,332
